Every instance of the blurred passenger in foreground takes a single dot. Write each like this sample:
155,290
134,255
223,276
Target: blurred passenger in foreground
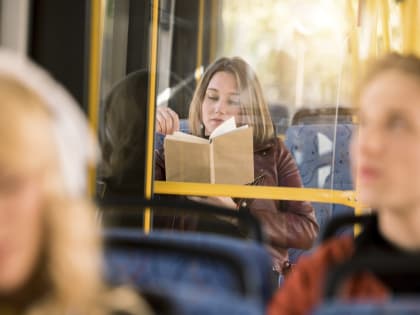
50,251
385,161
230,88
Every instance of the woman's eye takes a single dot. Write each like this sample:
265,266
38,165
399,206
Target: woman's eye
10,184
397,123
212,97
234,102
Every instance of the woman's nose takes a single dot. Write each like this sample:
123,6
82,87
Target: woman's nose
220,107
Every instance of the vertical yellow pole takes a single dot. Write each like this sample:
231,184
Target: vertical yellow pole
385,26
407,25
147,219
403,25
96,36
373,15
214,29
414,30
200,39
417,32
354,40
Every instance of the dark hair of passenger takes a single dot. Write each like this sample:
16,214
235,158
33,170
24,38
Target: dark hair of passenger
122,133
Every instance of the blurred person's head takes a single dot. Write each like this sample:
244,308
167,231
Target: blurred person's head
230,88
50,253
122,134
386,150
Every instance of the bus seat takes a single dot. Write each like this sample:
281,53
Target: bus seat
212,264
176,213
312,148
398,306
184,126
188,301
323,115
280,116
402,266
159,138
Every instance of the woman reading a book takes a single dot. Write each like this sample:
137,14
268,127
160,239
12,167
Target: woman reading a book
229,88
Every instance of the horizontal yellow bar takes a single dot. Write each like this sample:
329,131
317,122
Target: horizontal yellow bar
344,197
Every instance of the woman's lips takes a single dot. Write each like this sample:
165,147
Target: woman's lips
216,120
368,173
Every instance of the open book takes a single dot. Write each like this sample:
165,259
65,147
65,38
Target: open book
225,158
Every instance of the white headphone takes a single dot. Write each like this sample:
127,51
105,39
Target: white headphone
76,145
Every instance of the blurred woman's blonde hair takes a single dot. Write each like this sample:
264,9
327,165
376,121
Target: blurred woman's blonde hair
71,265
406,64
254,108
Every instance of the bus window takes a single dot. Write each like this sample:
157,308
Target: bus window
304,55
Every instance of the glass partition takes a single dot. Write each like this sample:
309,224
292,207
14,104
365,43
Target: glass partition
300,52
306,56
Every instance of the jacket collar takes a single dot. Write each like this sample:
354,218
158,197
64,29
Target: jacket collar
264,146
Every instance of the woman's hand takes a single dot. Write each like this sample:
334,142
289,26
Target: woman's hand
225,202
167,121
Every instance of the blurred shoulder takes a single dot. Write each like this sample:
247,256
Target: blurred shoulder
126,301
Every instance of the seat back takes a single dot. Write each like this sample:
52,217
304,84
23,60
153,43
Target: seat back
280,116
321,152
160,138
323,115
187,301
170,260
403,266
180,214
400,307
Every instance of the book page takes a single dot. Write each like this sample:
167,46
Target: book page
233,157
187,161
226,126
182,136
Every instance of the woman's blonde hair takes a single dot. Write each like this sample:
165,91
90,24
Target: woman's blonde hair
406,64
254,108
72,259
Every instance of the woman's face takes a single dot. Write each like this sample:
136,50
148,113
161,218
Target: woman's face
221,101
20,229
386,150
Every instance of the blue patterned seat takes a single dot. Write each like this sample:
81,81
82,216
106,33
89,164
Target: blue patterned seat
160,138
312,147
212,265
400,307
188,301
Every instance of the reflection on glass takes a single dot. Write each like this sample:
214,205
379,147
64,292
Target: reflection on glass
295,46
229,91
301,52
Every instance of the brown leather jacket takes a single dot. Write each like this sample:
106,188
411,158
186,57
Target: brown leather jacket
303,288
286,223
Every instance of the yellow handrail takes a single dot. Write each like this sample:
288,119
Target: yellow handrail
96,36
346,198
151,114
